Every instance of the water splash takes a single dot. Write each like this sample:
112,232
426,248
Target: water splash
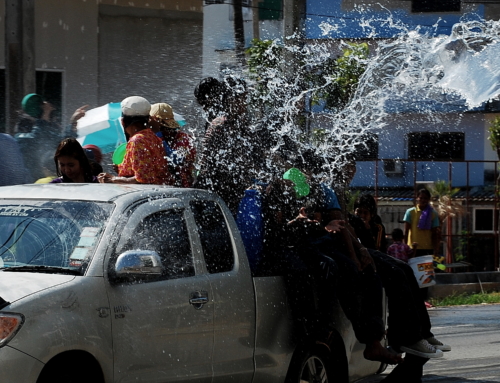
413,72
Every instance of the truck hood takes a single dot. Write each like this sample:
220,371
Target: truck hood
14,285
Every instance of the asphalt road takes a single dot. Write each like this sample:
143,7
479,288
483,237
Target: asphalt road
474,335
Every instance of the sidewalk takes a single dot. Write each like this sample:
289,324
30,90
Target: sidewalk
457,283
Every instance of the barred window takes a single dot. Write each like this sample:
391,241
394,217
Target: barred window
435,6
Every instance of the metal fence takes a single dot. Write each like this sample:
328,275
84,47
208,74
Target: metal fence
470,236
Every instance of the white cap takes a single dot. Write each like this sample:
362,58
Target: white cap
135,106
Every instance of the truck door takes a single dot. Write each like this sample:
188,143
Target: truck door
159,335
233,294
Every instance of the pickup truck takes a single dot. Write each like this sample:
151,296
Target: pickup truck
144,283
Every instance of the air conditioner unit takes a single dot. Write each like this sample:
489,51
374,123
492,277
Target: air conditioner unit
393,168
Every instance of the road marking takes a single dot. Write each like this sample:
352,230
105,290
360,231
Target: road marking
473,368
457,325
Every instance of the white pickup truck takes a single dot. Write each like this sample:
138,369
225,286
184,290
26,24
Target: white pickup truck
110,283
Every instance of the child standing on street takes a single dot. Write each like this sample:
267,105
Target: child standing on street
399,249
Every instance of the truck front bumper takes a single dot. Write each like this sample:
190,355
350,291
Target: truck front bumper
16,366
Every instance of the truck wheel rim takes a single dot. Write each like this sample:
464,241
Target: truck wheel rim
314,371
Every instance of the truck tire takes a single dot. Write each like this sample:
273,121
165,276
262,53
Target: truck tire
62,369
313,366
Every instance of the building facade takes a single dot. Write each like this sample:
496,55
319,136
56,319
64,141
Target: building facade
95,52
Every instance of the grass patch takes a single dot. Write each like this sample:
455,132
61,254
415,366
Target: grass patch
466,299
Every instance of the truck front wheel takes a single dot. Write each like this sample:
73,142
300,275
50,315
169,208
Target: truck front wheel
72,367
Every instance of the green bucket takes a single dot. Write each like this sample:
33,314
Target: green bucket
119,154
301,187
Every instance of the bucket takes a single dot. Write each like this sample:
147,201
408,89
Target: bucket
423,268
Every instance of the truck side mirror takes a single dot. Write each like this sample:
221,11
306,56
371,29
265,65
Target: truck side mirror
136,263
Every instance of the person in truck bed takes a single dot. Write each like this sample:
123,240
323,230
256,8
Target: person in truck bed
299,245
375,268
410,333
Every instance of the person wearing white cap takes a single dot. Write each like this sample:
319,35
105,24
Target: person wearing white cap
144,160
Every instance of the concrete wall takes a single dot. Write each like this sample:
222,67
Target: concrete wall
151,53
69,38
469,283
66,41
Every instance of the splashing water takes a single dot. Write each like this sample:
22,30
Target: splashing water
413,72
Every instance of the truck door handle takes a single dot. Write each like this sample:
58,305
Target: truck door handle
198,299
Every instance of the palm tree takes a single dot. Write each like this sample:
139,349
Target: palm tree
447,208
445,205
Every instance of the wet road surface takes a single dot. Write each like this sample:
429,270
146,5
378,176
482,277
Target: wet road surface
474,335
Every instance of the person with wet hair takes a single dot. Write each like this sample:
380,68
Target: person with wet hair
405,303
365,208
72,163
226,163
211,95
94,155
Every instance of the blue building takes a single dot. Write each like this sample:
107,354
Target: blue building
417,127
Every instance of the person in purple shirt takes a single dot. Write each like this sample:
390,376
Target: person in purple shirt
12,168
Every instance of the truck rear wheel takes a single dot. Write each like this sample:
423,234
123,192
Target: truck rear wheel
314,370
311,366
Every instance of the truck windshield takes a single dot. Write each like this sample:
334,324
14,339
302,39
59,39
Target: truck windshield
55,234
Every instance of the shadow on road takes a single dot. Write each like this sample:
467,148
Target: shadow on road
430,378
444,379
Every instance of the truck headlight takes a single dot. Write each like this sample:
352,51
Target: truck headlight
10,324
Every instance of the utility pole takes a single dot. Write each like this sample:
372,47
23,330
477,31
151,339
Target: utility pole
20,72
255,19
293,19
239,32
293,31
293,37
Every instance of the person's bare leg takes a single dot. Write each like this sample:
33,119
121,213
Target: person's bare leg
376,352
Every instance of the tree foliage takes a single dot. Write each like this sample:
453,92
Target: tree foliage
494,130
337,78
331,82
444,204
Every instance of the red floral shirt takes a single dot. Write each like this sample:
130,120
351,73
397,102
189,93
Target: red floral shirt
145,159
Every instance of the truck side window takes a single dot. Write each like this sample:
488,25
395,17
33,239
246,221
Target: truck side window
214,236
165,232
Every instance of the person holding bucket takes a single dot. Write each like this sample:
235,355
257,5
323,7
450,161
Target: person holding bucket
422,225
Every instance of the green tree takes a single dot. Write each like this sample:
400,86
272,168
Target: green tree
337,78
494,137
